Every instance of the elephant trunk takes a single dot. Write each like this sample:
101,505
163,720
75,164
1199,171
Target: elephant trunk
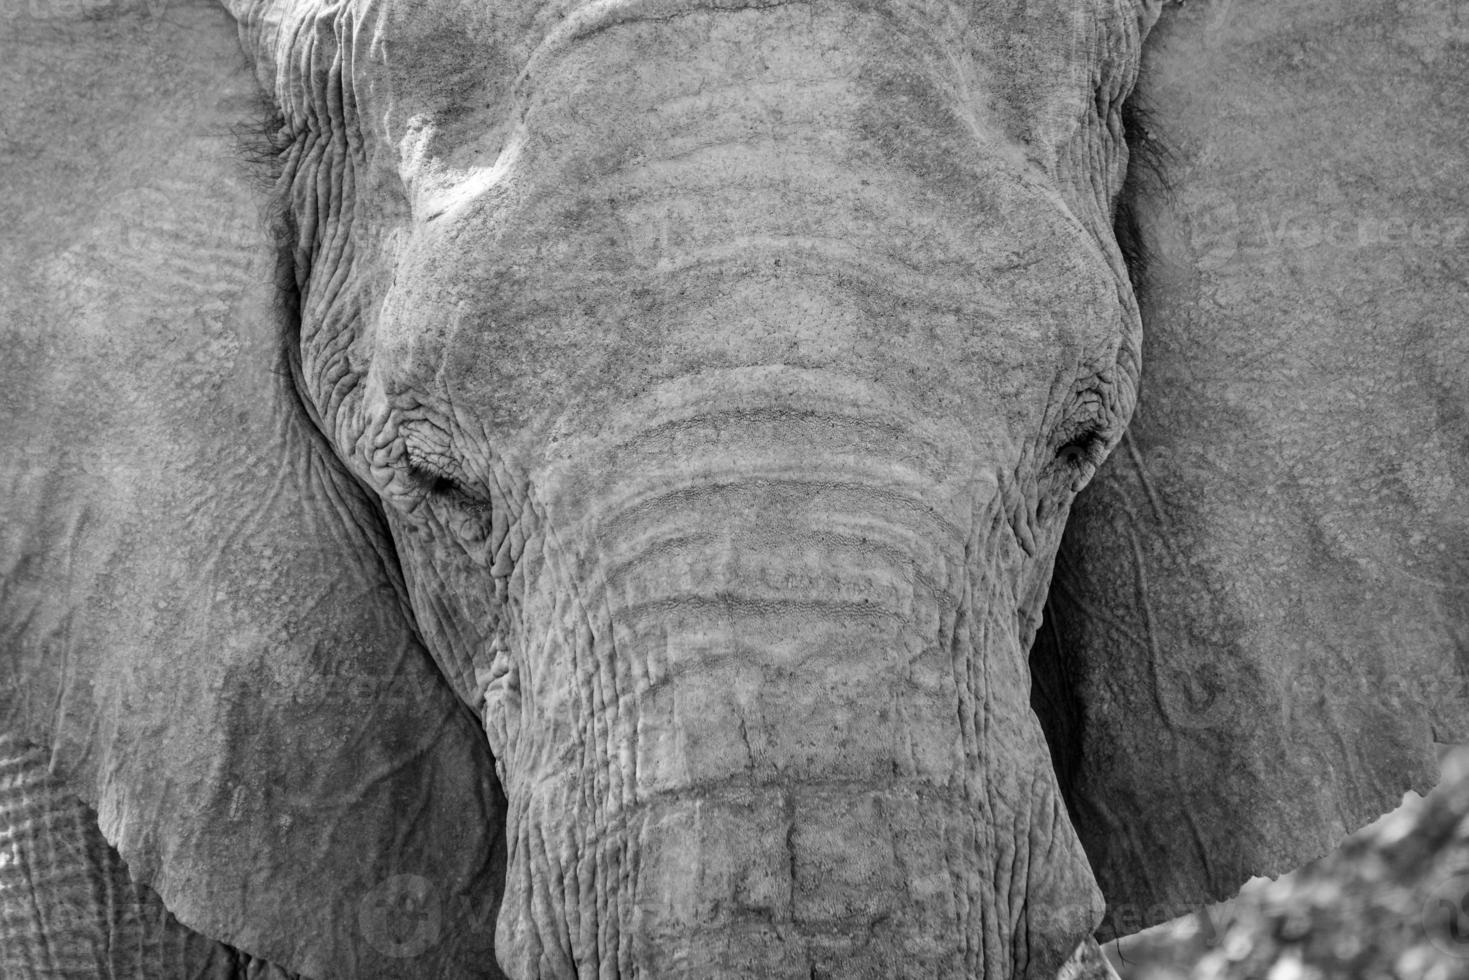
766,712
760,699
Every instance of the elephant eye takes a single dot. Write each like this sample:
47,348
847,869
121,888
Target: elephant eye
466,513
431,480
1076,460
1081,450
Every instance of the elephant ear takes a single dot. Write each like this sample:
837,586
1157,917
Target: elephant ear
200,616
1259,623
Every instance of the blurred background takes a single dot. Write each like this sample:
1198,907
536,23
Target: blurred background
1391,902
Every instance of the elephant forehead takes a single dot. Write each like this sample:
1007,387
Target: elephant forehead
974,321
1035,67
801,186
521,34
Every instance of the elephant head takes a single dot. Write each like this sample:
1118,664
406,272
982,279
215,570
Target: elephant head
724,374
610,511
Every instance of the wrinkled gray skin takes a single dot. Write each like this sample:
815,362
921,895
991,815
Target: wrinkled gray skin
725,374
630,565
722,375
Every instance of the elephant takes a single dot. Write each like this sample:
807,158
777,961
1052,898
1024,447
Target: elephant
590,489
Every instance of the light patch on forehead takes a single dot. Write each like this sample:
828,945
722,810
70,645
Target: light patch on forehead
411,339
440,188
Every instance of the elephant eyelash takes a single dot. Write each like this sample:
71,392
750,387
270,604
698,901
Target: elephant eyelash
271,146
435,474
1082,450
431,479
264,144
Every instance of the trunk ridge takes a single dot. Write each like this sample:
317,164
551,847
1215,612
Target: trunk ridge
771,735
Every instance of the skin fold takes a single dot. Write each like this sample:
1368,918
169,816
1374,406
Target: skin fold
576,495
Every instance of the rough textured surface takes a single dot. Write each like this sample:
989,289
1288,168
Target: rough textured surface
725,371
1261,600
704,388
69,910
197,617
